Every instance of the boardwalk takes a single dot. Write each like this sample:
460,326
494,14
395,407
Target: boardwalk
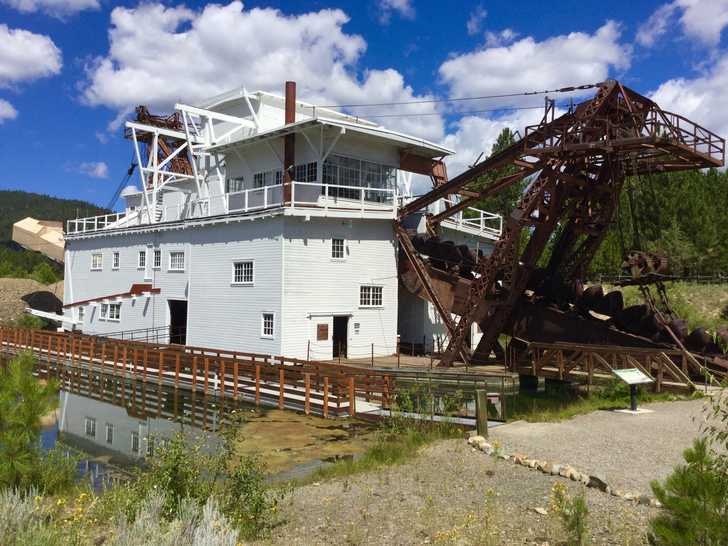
312,387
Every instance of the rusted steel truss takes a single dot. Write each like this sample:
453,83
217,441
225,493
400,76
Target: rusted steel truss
578,162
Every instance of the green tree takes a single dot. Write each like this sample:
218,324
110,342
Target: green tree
23,401
695,502
44,274
503,202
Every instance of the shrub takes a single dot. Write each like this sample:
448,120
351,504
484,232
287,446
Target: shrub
44,273
573,514
695,502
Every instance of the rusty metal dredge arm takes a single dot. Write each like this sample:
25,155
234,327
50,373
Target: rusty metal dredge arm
578,162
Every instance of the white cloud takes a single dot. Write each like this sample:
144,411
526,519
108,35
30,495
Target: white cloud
571,59
26,56
159,55
475,20
703,20
57,8
500,38
7,111
475,135
94,169
702,99
404,8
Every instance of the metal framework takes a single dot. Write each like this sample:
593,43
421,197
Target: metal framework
578,163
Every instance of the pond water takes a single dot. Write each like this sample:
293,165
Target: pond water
118,424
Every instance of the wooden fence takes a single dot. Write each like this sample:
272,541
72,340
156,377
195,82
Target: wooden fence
313,387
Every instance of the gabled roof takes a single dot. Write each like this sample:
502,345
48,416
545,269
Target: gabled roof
418,146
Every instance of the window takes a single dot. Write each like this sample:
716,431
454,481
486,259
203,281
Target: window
90,426
233,185
109,433
243,272
267,322
142,263
135,442
104,313
370,296
268,178
305,173
81,313
115,261
177,261
114,311
150,446
96,261
157,258
337,249
346,171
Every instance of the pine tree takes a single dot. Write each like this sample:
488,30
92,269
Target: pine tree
695,502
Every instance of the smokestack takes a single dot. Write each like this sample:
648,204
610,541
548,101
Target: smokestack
289,141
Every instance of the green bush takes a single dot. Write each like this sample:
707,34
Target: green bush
44,274
572,513
23,401
695,502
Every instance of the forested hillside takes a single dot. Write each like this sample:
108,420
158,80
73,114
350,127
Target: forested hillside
682,215
16,205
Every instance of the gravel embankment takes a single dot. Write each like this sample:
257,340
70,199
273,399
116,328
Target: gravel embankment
628,450
439,498
12,292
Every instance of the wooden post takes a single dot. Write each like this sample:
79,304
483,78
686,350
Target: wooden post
281,386
308,350
194,373
257,384
123,360
352,397
207,372
176,371
222,378
326,397
481,411
235,378
372,355
307,384
144,369
161,366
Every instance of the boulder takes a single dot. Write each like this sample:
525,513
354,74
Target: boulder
555,469
598,481
540,510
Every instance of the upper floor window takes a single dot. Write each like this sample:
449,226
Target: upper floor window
355,173
337,249
268,178
96,261
81,313
370,296
306,172
243,272
233,185
142,260
115,260
114,311
177,260
157,258
267,325
104,311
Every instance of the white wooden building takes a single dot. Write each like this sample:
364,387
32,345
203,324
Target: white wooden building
265,224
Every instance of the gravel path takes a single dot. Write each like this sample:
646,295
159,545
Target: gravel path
440,497
628,450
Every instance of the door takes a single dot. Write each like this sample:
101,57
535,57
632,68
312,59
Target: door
178,321
340,336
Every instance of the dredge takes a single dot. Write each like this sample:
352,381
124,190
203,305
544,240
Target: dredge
575,165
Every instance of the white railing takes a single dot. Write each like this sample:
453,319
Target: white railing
304,195
481,222
93,223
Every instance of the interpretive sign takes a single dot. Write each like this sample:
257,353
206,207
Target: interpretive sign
633,376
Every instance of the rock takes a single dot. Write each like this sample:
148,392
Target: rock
540,510
644,500
547,467
655,503
503,456
532,463
616,493
584,478
555,469
598,481
629,496
476,440
518,458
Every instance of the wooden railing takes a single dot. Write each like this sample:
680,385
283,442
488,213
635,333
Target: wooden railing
670,369
310,386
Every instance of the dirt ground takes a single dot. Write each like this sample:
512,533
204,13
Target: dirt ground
453,494
12,292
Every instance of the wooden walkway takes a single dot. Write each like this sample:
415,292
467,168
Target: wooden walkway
671,370
312,387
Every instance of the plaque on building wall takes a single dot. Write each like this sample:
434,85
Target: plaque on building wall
322,332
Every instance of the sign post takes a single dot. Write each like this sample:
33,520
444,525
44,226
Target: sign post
633,377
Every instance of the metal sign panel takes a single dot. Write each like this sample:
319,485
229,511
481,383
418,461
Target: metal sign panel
633,376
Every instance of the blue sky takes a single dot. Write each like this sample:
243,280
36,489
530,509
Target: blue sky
70,70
